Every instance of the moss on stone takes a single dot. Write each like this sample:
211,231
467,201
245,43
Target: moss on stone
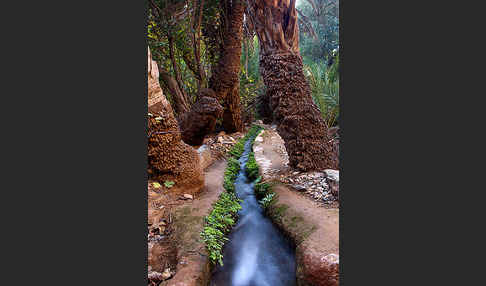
291,222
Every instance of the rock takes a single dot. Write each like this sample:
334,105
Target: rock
300,188
334,186
187,196
320,270
333,181
333,174
205,155
166,274
154,276
157,276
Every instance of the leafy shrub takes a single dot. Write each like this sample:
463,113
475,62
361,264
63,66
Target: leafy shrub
324,83
237,149
230,174
258,180
219,223
267,200
225,210
251,168
261,189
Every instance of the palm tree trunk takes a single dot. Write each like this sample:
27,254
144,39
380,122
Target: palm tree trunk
298,119
169,158
225,79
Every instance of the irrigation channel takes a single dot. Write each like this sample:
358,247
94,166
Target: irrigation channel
257,253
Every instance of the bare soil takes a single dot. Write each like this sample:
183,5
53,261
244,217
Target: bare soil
193,263
181,249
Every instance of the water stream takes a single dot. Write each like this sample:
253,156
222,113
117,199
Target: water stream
257,253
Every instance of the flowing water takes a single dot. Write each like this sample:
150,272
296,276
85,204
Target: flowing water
257,253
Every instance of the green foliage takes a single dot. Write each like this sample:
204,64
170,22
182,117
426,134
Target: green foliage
261,189
251,82
324,85
237,149
219,223
251,168
258,180
253,132
171,23
169,184
324,19
225,210
230,174
267,200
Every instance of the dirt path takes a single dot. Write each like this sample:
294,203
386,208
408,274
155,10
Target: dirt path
193,264
314,228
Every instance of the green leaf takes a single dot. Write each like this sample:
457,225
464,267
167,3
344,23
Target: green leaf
169,184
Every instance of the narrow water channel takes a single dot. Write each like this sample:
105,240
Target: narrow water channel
257,253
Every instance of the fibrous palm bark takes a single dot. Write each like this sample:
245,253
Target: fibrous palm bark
298,119
201,119
223,85
225,80
169,158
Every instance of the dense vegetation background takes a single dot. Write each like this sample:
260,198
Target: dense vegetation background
187,38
